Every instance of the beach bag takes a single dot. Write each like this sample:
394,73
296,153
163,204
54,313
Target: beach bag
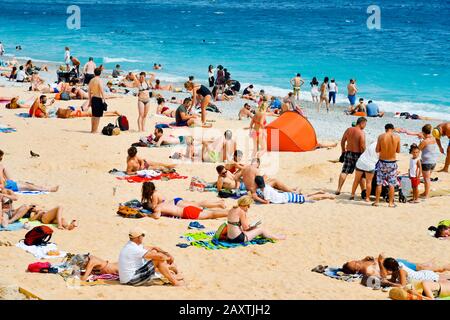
12,104
110,130
64,96
128,212
38,236
122,123
221,233
38,266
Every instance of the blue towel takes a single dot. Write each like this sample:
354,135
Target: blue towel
336,273
12,227
31,192
23,115
7,130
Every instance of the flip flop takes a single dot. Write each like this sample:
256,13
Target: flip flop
196,225
182,245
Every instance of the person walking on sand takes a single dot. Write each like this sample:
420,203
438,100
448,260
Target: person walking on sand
440,131
296,84
332,91
138,264
76,65
144,98
351,93
430,153
324,94
353,144
67,58
314,90
388,145
96,100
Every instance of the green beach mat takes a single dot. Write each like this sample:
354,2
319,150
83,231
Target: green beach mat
35,223
205,240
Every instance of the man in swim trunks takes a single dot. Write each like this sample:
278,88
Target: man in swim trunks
88,70
166,139
248,175
96,100
352,90
296,84
169,209
440,131
388,145
182,116
135,164
353,144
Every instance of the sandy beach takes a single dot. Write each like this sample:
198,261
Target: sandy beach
326,232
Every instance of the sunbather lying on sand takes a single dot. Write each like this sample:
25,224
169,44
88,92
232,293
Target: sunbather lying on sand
239,229
69,113
249,174
433,290
442,230
8,214
164,110
52,216
151,199
94,265
134,163
160,138
369,266
267,194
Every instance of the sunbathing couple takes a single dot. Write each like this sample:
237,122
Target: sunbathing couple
70,113
31,212
135,163
403,272
262,188
153,200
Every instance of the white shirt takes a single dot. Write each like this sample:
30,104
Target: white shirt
131,258
275,196
332,87
21,75
67,56
413,167
368,159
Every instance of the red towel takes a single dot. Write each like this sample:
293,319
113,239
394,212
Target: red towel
138,179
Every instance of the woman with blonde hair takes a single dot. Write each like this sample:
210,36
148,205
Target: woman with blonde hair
239,229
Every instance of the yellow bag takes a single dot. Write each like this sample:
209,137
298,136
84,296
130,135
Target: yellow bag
128,212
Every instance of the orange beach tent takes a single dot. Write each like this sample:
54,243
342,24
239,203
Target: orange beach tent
291,132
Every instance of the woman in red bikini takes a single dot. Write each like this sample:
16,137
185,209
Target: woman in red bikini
162,109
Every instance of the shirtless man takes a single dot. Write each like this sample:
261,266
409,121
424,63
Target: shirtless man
235,165
249,174
388,145
9,184
227,180
351,93
353,144
76,64
78,93
165,139
88,70
96,100
246,112
134,163
361,107
440,131
296,84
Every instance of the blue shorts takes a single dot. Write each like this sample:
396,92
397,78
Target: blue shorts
408,264
182,124
242,186
11,185
176,200
352,99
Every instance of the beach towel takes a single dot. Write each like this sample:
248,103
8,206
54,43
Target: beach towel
40,252
31,192
336,273
6,129
35,223
12,227
162,176
205,240
23,115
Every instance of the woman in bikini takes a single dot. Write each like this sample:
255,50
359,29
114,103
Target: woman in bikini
201,93
239,229
257,129
158,86
98,266
164,110
144,96
323,94
151,198
52,216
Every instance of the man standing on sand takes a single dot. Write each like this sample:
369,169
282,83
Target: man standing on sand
352,90
353,144
440,131
388,145
88,70
76,65
96,100
2,49
67,58
296,84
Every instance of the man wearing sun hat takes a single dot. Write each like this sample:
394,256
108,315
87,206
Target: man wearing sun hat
440,131
138,264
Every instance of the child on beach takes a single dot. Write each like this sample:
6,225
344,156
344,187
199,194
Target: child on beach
415,171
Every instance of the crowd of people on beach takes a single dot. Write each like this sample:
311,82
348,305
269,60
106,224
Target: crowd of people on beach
374,163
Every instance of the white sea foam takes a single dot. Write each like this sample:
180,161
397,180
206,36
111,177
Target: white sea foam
115,60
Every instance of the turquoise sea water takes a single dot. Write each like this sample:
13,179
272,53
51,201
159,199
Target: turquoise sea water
405,66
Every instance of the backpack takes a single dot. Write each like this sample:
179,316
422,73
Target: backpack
38,236
221,233
122,123
38,266
64,96
110,130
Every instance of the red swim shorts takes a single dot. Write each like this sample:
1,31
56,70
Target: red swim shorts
191,212
415,181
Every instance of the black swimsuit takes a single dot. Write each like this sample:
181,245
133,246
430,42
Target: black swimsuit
240,238
203,91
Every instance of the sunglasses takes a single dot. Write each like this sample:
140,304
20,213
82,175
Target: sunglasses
224,173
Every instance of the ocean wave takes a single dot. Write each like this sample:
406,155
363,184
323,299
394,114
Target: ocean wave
115,60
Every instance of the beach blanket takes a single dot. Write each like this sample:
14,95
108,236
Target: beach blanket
31,192
12,227
35,223
23,115
6,129
336,273
40,252
205,240
161,176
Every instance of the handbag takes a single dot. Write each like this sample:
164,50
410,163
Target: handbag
105,106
